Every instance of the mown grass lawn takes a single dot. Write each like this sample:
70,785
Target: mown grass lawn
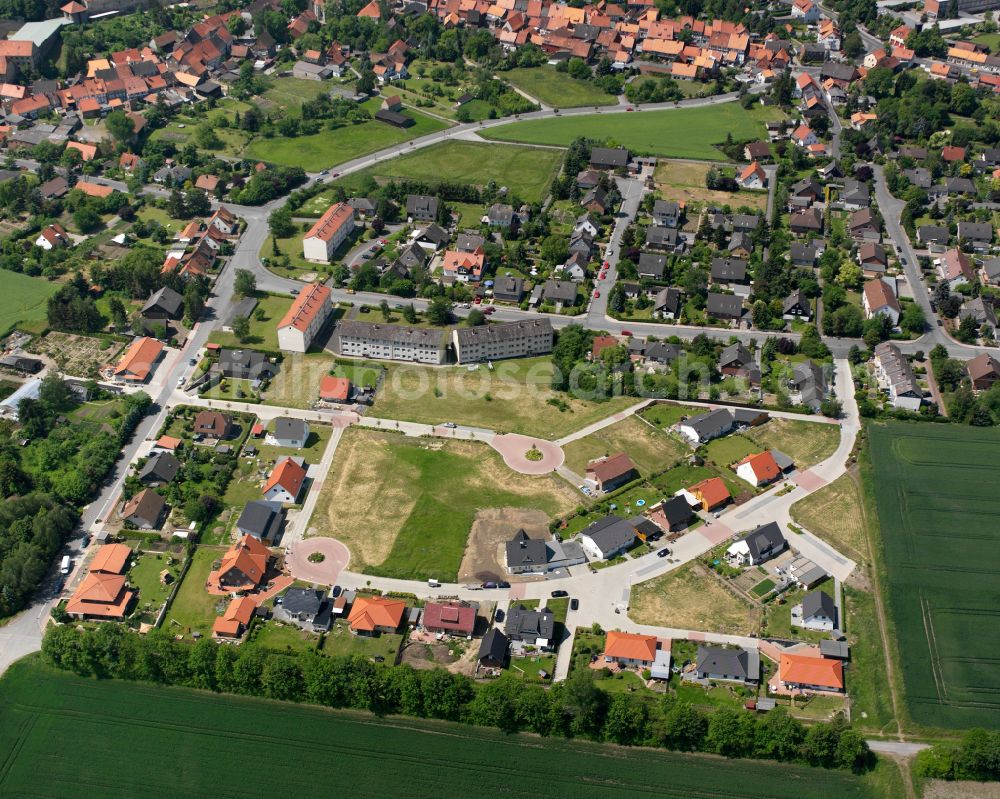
405,506
806,443
730,449
515,397
23,301
677,133
558,89
145,576
331,147
193,608
526,171
650,450
263,324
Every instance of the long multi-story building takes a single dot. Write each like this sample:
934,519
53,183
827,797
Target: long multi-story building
390,342
329,232
299,326
504,340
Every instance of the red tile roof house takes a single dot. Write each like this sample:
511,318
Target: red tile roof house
759,469
286,481
452,618
305,318
335,389
630,649
712,493
610,472
328,233
242,569
234,622
371,615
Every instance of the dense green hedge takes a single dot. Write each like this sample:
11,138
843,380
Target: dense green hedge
573,708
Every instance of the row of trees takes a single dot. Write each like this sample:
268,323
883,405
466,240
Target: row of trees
576,707
975,757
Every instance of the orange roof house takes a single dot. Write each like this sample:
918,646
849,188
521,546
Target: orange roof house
285,482
168,442
630,649
88,152
759,469
94,189
111,559
464,266
370,614
243,566
711,493
137,362
371,11
236,618
100,596
334,389
802,672
600,344
207,182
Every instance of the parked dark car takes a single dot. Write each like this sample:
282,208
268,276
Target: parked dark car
574,604
490,585
559,593
503,584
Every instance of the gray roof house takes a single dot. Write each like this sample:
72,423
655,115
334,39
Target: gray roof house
526,554
160,469
802,254
652,265
163,304
933,234
531,626
980,310
561,292
607,537
288,432
729,270
421,208
500,215
667,303
796,306
608,157
665,238
493,649
508,289
757,546
261,519
469,242
817,611
662,352
724,306
808,384
308,608
706,426
731,665
666,213
977,232
246,365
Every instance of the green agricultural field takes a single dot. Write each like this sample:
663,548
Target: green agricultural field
164,742
405,506
23,301
934,486
679,133
331,147
558,89
526,171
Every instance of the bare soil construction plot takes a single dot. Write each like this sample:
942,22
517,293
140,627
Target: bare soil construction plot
77,356
483,559
684,181
692,599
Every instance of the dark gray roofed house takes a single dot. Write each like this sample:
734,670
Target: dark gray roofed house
959,186
393,118
808,383
733,665
500,215
729,270
745,222
530,626
664,238
163,304
362,206
412,257
933,234
53,189
608,158
991,271
307,608
290,432
607,537
526,554
508,289
677,513
421,208
818,609
432,237
802,254
560,292
975,232
757,546
652,265
160,469
667,303
662,352
22,363
469,242
666,213
796,306
246,365
724,306
493,649
261,519
919,177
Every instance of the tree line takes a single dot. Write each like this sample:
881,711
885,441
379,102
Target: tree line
576,707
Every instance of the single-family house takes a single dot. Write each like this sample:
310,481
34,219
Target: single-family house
493,649
879,297
724,306
984,371
666,213
144,510
955,267
796,306
757,546
450,618
710,493
285,481
816,611
160,468
308,608
725,664
630,649
526,555
810,673
531,626
611,471
607,537
758,470
371,615
288,432
873,259
706,426
262,520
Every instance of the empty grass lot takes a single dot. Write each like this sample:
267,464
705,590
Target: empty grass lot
730,449
404,507
558,89
23,301
692,599
834,513
297,384
263,325
678,133
331,147
666,414
47,714
512,398
526,171
684,181
193,608
292,92
806,443
939,512
650,450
